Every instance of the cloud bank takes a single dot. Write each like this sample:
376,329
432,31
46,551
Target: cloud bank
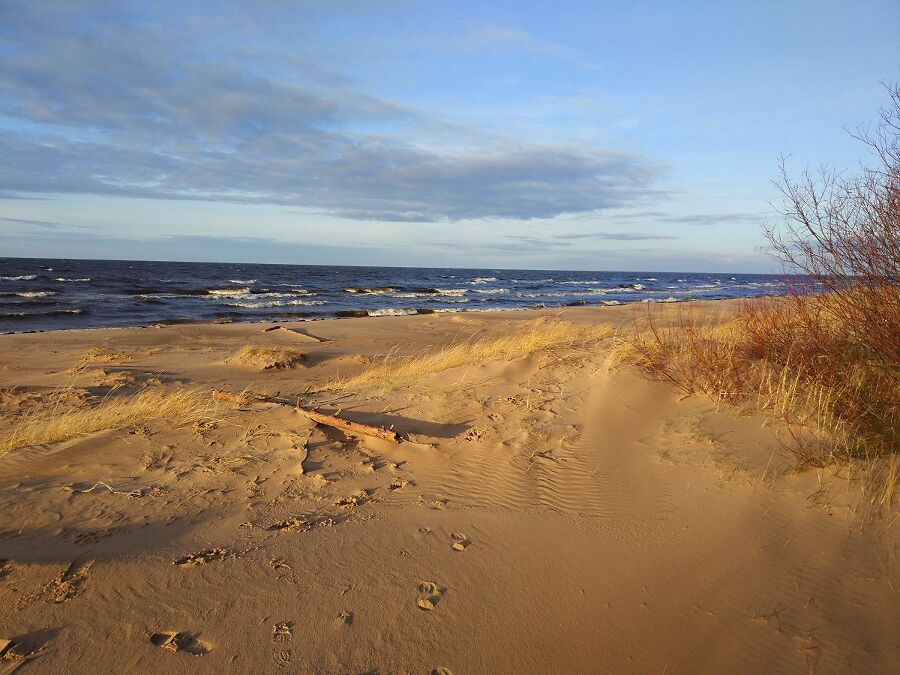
96,99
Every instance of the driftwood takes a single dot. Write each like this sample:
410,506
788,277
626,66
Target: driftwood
348,426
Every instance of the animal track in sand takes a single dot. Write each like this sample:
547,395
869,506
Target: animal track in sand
202,557
429,595
460,541
6,568
440,670
181,642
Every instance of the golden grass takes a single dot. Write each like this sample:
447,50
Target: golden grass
55,423
540,335
794,360
268,358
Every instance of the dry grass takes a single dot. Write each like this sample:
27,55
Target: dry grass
57,423
268,358
794,359
540,335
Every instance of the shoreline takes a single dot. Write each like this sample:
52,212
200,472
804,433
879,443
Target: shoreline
215,322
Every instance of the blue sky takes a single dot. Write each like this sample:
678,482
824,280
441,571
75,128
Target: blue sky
567,135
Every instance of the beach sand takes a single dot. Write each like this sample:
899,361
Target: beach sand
547,513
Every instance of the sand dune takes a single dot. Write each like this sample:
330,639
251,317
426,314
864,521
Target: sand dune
548,513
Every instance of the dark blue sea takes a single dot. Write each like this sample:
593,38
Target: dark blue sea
63,294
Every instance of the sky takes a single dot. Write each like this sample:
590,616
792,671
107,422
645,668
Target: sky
565,135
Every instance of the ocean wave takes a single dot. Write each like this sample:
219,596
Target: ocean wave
455,292
375,290
490,290
151,299
64,279
21,277
392,311
242,281
33,315
546,294
482,280
26,294
276,303
228,291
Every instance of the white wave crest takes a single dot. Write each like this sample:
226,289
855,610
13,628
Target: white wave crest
275,303
390,311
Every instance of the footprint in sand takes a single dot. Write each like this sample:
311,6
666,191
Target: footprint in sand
440,670
279,565
400,483
475,433
181,642
203,557
283,632
344,619
429,595
67,585
460,541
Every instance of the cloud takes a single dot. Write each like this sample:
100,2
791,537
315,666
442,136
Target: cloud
698,219
104,102
706,219
523,243
190,248
46,224
614,236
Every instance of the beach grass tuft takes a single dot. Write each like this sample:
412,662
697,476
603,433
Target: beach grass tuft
51,424
539,335
268,358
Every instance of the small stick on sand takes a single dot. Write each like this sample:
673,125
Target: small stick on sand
317,416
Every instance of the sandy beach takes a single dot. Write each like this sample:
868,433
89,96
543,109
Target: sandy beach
552,512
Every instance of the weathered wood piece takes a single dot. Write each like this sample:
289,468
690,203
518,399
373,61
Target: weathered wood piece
348,426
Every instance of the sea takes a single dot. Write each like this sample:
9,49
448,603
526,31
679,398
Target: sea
41,295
